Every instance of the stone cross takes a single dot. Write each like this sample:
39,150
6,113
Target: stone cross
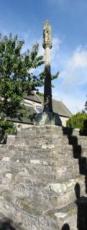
48,116
47,45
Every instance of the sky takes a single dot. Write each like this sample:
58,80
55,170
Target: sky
68,19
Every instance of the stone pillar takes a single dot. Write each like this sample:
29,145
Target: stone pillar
47,45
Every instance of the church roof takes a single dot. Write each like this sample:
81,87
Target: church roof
33,97
61,109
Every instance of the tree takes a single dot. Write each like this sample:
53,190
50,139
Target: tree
85,109
15,76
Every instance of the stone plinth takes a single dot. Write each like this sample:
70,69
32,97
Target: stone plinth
48,118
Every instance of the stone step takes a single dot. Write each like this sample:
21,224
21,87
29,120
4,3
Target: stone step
43,151
51,158
79,151
34,145
47,150
38,199
21,217
39,172
26,158
45,136
41,128
48,143
79,141
37,152
83,144
46,139
49,164
40,132
40,145
84,151
66,217
50,220
83,138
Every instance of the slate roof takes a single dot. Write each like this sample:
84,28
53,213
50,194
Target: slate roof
61,109
33,97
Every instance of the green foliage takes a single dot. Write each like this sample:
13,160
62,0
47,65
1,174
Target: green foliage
77,121
85,108
7,126
15,76
31,81
42,77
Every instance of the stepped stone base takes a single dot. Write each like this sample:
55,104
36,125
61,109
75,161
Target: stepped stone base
48,118
40,180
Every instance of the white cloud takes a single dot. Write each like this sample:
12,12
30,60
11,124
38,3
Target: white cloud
79,58
56,53
71,86
75,70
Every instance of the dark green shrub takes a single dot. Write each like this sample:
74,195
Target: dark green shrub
7,126
78,121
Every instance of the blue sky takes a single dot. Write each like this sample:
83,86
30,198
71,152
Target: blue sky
69,54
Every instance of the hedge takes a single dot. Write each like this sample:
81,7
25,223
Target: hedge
78,120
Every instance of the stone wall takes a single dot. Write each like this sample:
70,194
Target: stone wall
42,177
64,120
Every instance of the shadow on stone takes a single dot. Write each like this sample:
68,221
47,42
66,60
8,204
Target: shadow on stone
6,224
65,227
3,136
81,203
77,150
83,131
77,190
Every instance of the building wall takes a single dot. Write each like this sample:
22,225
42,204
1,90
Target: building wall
36,106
